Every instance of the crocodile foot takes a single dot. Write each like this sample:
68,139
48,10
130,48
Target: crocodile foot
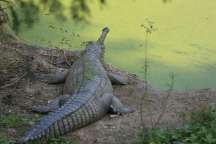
52,105
118,108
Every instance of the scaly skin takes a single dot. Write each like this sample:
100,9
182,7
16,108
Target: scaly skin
90,97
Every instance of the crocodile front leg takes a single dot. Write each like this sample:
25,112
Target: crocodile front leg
118,108
53,78
59,77
117,78
52,105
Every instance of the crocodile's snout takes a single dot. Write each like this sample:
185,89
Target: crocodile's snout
106,29
103,35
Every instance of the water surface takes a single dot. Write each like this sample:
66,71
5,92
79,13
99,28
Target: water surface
183,43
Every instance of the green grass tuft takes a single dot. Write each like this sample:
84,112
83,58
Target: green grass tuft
12,120
5,141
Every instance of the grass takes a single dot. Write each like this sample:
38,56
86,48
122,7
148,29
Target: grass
200,130
62,140
12,121
5,141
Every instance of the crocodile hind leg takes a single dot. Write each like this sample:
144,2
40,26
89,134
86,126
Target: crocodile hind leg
52,105
118,108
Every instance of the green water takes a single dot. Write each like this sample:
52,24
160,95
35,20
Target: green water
183,43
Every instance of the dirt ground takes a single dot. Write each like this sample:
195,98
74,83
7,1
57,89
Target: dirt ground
159,110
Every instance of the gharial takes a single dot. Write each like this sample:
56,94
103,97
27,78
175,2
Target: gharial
87,97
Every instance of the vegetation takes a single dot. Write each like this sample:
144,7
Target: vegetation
62,140
5,141
12,120
148,29
200,130
28,11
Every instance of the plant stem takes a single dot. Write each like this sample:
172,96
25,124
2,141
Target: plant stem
144,128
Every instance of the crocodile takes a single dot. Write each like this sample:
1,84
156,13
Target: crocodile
87,97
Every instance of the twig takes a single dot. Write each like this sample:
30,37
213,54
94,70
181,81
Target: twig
13,82
145,95
66,59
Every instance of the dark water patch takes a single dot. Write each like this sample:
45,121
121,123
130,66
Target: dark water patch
185,79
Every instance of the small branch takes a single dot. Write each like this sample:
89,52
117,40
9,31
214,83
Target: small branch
13,82
66,59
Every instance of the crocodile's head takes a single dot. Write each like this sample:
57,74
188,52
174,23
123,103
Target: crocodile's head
96,49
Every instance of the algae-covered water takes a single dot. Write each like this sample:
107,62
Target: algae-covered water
184,42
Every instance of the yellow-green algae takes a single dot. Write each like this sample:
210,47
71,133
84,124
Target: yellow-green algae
184,42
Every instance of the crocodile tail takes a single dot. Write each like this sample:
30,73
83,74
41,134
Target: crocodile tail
43,126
